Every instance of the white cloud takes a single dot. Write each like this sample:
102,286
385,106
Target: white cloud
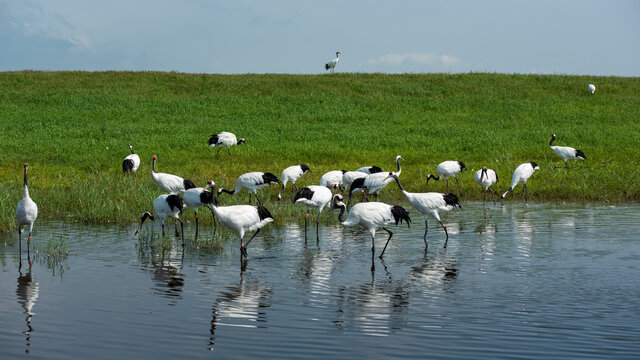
417,59
33,20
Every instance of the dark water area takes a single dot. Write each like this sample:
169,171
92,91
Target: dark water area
541,281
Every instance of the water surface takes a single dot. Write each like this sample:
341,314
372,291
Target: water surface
559,281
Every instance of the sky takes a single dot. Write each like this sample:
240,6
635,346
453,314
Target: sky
581,37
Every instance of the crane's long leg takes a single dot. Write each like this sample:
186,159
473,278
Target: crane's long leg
181,230
387,243
243,247
28,248
163,232
213,216
446,233
493,197
447,180
195,213
426,228
218,152
306,216
229,151
484,200
457,182
317,227
373,251
259,202
524,192
249,198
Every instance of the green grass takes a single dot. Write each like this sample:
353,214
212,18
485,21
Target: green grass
74,129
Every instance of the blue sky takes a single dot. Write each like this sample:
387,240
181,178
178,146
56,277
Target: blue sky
298,36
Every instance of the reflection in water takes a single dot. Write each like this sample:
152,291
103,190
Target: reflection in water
27,293
165,265
376,307
435,271
241,305
487,229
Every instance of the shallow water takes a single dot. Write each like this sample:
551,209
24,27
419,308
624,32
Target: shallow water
559,281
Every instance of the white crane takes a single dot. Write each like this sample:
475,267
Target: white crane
486,177
331,65
446,169
429,204
252,182
165,206
370,169
224,139
565,152
313,196
372,216
26,212
521,174
171,184
332,179
591,88
197,197
241,219
350,176
373,183
292,174
131,162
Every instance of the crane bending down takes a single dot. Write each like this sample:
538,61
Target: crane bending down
429,204
131,162
165,206
252,182
313,196
292,174
446,169
521,174
197,197
372,216
566,153
224,139
486,177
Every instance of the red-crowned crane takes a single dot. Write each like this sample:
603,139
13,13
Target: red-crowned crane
165,206
292,174
225,139
252,182
370,169
241,219
171,184
429,204
486,177
591,88
313,196
332,180
446,169
26,212
372,216
521,174
331,65
373,183
566,153
197,197
131,162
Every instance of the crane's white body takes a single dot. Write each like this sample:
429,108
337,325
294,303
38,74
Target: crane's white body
349,176
169,183
331,65
375,182
252,182
197,197
321,197
368,169
291,174
429,203
370,215
224,139
162,209
240,218
486,181
332,179
135,159
448,168
565,152
591,88
520,175
486,177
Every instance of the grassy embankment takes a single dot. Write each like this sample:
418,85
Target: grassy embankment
74,129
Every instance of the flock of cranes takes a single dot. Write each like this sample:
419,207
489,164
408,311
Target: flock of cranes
182,193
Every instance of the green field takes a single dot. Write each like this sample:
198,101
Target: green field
74,129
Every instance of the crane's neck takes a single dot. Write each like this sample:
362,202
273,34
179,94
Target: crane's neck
398,165
153,166
552,140
342,209
131,148
25,191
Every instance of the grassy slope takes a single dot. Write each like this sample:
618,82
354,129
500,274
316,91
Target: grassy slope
63,122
